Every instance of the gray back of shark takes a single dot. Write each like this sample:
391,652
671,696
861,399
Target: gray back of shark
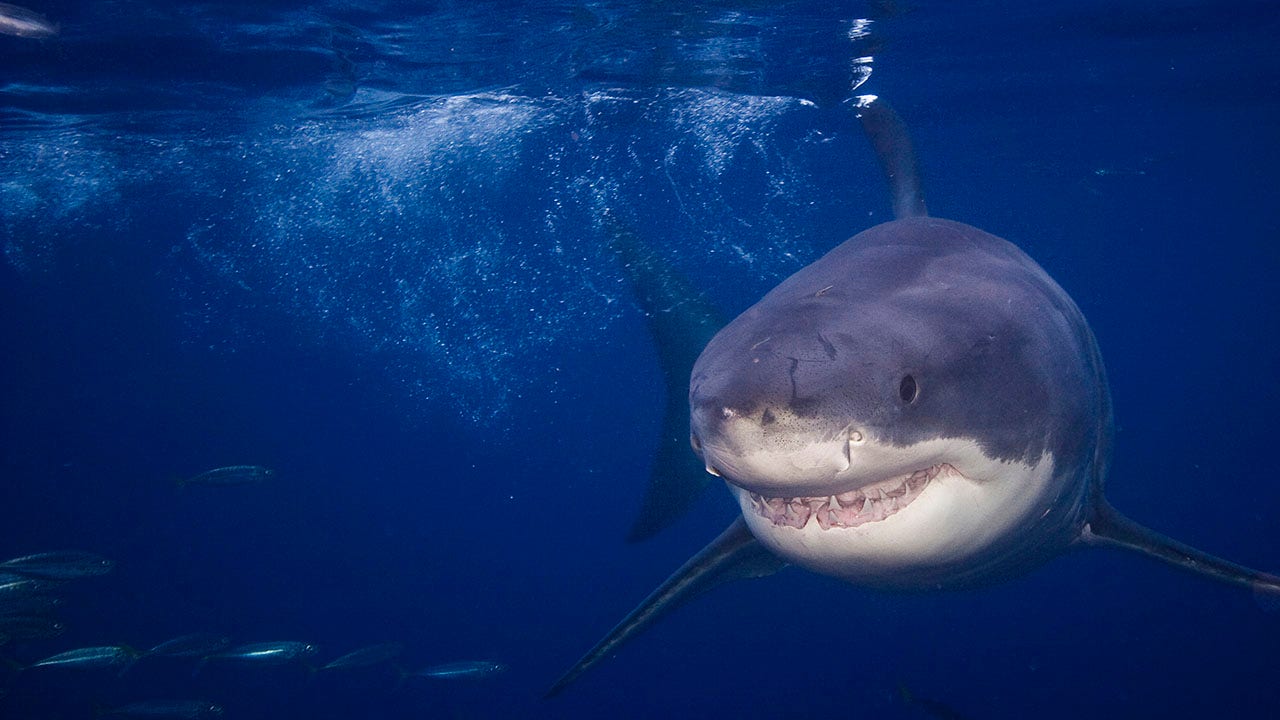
921,408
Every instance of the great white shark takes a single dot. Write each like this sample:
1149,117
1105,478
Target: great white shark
921,408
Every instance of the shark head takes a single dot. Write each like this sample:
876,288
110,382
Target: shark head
902,413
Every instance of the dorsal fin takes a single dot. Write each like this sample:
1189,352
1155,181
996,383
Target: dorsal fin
735,554
889,137
681,322
1107,527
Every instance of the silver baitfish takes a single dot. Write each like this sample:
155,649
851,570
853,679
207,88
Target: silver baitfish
64,565
30,627
192,645
230,475
25,588
462,669
267,653
177,709
26,23
29,605
91,657
365,657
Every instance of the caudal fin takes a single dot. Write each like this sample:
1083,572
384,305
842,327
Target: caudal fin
681,322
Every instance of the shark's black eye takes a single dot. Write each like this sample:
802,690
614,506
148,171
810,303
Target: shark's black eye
907,389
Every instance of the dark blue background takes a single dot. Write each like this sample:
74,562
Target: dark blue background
359,244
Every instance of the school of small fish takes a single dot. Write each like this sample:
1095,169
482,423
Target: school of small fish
29,603
21,22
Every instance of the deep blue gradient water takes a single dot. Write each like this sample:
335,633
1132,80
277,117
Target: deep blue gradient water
360,243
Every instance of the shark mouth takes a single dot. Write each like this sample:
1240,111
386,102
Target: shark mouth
867,504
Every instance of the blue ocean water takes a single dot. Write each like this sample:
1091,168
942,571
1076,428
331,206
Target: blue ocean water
360,243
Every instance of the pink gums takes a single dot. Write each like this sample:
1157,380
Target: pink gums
868,504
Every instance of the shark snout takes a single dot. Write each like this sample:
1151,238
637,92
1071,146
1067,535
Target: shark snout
769,450
757,414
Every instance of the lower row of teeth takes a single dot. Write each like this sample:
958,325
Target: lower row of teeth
849,509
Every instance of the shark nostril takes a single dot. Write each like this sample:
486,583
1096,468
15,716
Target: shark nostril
767,418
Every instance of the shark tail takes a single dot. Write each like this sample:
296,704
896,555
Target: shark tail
681,322
676,481
1109,528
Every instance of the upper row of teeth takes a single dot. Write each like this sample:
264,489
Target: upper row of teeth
861,497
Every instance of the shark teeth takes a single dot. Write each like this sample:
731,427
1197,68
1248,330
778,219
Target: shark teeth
867,504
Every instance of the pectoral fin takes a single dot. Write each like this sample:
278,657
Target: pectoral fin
734,555
1107,527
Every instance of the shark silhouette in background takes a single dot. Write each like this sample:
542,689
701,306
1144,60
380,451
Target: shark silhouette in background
921,408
